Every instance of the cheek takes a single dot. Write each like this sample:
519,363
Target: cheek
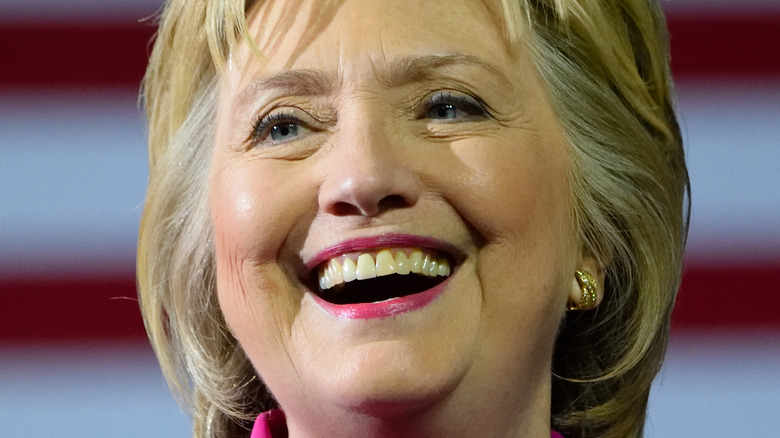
515,195
250,215
511,191
251,223
236,215
252,218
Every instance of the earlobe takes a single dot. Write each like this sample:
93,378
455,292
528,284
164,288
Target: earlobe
587,287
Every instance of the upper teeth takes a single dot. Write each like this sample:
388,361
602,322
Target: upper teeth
385,262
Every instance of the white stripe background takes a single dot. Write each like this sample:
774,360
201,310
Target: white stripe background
72,181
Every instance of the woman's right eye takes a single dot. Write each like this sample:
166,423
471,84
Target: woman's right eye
284,131
278,128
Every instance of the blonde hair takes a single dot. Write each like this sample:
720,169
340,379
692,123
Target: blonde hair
606,67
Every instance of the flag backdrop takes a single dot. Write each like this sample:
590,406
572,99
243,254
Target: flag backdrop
73,355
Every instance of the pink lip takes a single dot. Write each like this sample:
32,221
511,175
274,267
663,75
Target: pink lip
381,241
382,309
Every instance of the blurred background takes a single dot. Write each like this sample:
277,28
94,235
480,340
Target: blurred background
74,360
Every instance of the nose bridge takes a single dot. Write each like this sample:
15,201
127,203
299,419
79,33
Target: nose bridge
366,170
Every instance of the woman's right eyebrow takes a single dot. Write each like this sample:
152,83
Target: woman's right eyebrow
288,82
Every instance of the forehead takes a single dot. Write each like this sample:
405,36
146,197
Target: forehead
337,36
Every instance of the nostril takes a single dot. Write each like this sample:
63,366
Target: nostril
392,202
344,209
367,207
368,189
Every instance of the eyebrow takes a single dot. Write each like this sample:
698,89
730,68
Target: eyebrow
423,68
292,82
403,72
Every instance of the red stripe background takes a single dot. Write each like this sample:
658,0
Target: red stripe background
106,308
114,55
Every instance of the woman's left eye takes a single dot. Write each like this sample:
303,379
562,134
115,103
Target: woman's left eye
450,106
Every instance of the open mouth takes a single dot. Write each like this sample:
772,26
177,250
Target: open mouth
376,276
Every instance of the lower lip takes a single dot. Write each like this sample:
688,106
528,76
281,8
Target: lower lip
383,309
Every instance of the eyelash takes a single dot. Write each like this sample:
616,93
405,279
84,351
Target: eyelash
472,106
262,125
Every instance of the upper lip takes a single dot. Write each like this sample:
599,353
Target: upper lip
385,240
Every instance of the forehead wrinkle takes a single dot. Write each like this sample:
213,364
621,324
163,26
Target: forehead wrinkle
422,68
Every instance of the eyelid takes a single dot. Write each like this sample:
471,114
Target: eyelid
464,100
258,132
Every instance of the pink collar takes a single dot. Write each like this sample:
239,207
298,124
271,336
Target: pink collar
272,424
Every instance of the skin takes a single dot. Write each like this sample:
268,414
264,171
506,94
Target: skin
373,155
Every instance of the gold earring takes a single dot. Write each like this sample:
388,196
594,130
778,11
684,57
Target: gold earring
589,297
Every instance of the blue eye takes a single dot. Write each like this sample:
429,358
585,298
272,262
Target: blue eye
278,128
284,131
447,111
454,107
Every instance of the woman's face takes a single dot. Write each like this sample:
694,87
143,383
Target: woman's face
406,126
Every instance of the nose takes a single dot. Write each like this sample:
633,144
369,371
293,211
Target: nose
367,174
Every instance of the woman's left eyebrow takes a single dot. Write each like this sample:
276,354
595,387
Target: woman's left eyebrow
421,68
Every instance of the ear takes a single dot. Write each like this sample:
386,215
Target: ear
590,266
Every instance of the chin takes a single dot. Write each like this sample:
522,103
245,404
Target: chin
387,380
